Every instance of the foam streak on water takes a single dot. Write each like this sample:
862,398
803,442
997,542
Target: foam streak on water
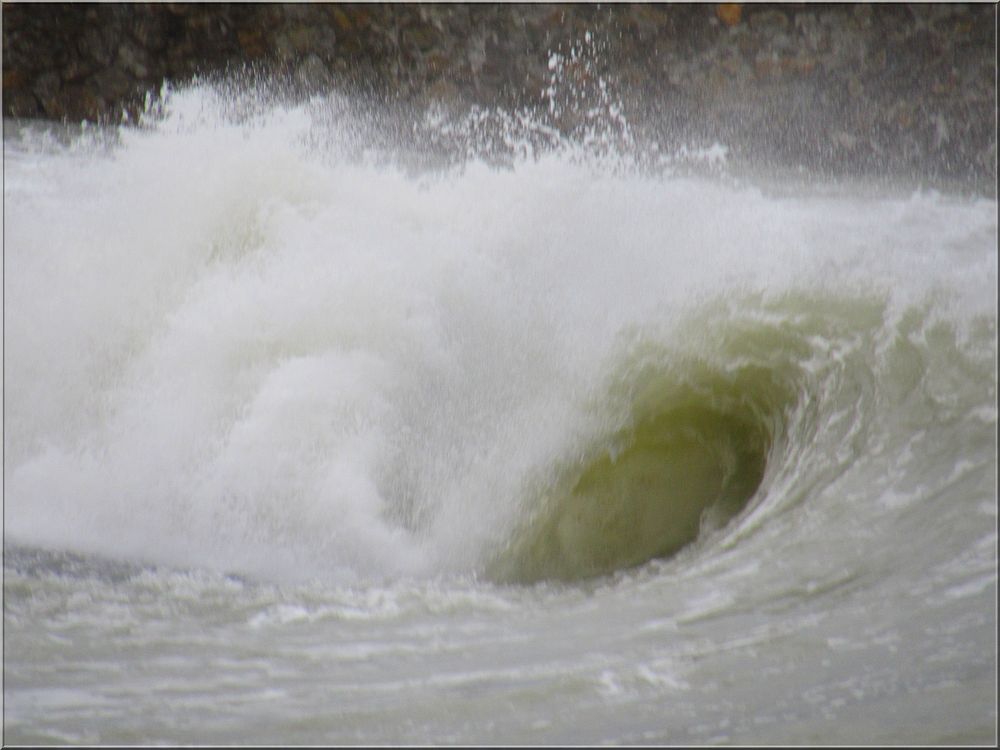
290,428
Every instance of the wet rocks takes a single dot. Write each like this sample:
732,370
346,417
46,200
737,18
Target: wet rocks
909,88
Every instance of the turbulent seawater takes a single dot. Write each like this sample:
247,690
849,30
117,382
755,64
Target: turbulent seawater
309,439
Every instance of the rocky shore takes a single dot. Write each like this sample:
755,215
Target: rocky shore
908,90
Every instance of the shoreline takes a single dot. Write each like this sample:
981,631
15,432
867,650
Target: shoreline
888,90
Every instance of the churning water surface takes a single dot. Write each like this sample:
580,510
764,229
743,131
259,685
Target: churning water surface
306,443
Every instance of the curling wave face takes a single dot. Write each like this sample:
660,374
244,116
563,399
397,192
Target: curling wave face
691,455
289,403
236,343
691,458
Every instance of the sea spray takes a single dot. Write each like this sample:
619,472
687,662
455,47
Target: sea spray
343,414
226,351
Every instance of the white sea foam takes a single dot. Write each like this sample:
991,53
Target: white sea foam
229,344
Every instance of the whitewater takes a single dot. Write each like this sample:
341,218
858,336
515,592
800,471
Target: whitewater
322,426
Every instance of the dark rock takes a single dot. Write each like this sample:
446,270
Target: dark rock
834,87
77,69
132,59
113,83
46,86
768,20
97,44
81,102
150,31
252,42
420,37
312,75
20,103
